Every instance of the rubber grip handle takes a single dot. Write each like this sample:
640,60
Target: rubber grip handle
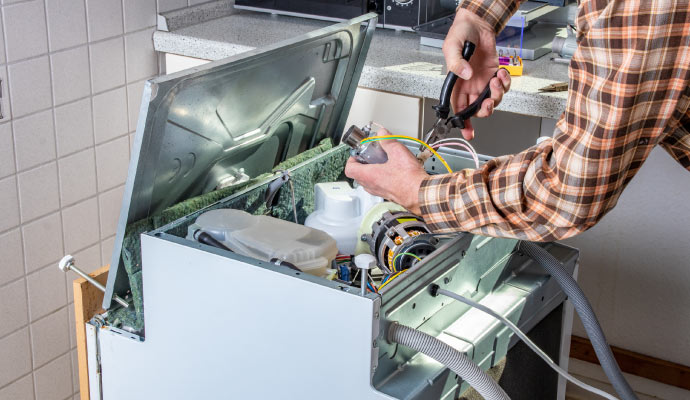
443,107
458,121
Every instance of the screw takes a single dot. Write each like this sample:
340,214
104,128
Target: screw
464,253
67,264
446,280
363,238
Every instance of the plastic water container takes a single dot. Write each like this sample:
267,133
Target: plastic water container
339,210
264,237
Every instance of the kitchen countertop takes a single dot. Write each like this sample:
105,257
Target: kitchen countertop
396,61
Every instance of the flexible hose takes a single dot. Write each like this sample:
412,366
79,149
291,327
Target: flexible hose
586,313
525,339
455,360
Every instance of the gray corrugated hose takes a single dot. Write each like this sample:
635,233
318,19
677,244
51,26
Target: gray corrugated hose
455,360
586,313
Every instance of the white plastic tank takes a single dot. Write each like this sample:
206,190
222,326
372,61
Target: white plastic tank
338,211
265,237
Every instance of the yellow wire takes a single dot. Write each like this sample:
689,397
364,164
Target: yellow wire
389,279
387,137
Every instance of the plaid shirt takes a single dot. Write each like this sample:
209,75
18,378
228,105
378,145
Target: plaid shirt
629,91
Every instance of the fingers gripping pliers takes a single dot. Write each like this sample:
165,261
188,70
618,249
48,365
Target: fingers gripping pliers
444,124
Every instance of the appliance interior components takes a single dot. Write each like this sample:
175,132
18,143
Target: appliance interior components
393,14
365,153
265,238
399,240
565,46
300,324
197,126
338,211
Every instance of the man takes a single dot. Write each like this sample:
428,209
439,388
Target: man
628,91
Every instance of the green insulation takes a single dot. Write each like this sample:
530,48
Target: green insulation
327,166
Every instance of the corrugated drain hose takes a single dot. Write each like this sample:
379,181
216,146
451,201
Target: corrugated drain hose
586,313
455,360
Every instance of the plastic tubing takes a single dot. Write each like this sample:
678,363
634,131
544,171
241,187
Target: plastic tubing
586,313
455,360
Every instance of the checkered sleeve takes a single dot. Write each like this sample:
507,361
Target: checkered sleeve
495,12
628,91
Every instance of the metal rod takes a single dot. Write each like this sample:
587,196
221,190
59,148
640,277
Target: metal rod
67,264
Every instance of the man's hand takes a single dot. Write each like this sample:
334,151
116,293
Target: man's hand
398,180
474,74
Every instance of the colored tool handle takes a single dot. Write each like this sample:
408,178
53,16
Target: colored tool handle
458,120
443,107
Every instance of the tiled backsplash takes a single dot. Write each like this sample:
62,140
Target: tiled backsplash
72,73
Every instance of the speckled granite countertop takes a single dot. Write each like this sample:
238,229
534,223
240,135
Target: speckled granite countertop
389,65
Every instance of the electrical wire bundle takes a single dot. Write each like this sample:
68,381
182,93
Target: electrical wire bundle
449,142
459,142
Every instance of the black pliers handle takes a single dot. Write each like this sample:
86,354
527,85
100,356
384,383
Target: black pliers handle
443,108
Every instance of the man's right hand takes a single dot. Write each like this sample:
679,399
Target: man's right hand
474,74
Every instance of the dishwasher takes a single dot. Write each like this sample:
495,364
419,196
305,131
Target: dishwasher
231,295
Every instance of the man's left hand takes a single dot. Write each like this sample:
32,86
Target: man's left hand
398,180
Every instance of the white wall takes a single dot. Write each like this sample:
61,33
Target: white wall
72,75
635,264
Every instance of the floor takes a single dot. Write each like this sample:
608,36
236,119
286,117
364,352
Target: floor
646,389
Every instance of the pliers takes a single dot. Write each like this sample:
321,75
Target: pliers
444,124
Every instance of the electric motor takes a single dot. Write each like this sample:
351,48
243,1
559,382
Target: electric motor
399,240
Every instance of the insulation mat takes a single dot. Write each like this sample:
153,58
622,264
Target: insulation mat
327,166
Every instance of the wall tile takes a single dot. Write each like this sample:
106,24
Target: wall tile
13,307
88,260
5,101
22,389
75,370
42,242
72,327
73,127
30,88
134,92
9,216
47,292
169,5
107,64
50,337
38,191
54,381
2,46
105,18
11,256
16,356
34,139
6,151
25,28
139,14
110,115
66,23
71,79
142,61
109,204
77,177
80,225
107,246
112,160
